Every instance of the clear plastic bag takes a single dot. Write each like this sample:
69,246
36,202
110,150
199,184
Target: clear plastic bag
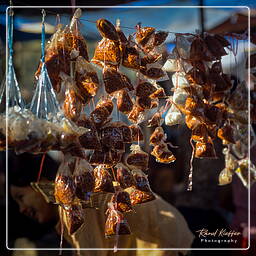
137,158
84,179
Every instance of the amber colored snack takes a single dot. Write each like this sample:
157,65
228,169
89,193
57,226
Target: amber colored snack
107,30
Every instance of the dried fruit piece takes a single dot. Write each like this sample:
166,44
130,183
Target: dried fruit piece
159,37
86,78
103,180
144,102
156,120
136,132
107,52
144,89
72,105
124,102
114,80
100,115
153,73
107,29
74,217
163,154
200,133
205,150
157,136
116,224
64,188
144,34
90,139
84,179
136,115
124,176
137,158
226,134
121,201
131,58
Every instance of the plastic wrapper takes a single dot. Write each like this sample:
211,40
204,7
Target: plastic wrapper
136,133
200,51
179,97
183,47
136,115
238,100
84,179
108,158
74,217
174,116
179,80
131,58
195,107
116,224
163,154
124,176
90,139
121,201
144,102
215,46
143,35
137,158
64,188
160,37
150,58
107,30
66,44
114,80
153,72
225,177
157,136
200,133
144,89
117,129
226,134
112,137
72,106
124,102
142,192
100,115
195,76
158,94
44,103
107,52
205,150
155,120
86,79
103,180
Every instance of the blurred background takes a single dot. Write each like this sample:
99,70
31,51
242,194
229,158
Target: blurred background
208,205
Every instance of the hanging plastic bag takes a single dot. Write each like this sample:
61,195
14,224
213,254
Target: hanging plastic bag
137,158
44,103
84,179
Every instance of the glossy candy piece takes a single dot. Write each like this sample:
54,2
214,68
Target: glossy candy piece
205,150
